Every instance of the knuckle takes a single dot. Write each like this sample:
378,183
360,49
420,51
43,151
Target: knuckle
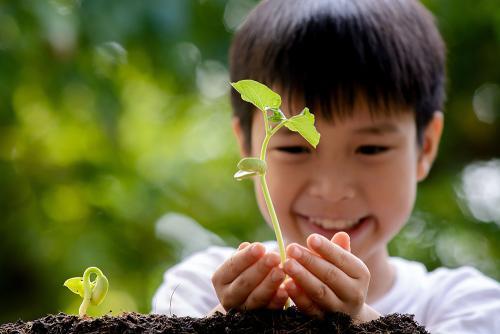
243,284
331,276
307,259
358,298
216,278
366,274
256,300
310,308
343,259
227,302
320,293
232,265
262,263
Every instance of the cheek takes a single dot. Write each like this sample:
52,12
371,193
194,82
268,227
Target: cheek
281,189
394,190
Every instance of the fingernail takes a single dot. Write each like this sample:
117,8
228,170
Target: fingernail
292,267
281,294
291,286
277,275
295,252
271,261
315,241
255,249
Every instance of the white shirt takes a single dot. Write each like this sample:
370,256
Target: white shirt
444,301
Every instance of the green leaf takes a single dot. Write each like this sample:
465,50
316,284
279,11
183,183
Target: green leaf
304,124
258,94
75,284
276,116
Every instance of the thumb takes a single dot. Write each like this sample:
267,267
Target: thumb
342,239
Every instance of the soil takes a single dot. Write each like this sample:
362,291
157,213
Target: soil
249,322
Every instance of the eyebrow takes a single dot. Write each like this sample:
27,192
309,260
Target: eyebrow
378,129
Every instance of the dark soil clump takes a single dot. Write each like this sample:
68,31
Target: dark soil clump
251,322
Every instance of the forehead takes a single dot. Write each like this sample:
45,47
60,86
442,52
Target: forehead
357,110
363,124
359,122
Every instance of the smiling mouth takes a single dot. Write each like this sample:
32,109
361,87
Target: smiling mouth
334,225
331,224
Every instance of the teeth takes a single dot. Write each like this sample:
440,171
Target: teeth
330,224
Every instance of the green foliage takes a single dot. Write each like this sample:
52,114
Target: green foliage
303,123
113,113
265,99
258,94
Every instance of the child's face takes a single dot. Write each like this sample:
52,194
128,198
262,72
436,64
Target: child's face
360,179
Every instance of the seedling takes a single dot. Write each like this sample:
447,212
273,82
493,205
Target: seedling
269,103
92,292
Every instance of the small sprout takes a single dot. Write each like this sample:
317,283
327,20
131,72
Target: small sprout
249,167
92,292
269,103
276,116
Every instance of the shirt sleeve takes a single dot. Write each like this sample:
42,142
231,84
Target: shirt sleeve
187,288
466,302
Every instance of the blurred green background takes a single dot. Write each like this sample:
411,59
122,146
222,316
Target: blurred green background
114,113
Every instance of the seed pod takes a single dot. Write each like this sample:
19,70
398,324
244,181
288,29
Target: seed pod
252,165
249,167
243,175
100,290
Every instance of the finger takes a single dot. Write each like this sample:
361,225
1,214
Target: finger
243,245
345,261
279,299
262,295
242,286
317,291
238,263
343,240
301,300
339,282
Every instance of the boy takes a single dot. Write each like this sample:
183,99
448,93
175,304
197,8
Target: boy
373,74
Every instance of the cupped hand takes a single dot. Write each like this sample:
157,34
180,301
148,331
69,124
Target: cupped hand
250,279
326,277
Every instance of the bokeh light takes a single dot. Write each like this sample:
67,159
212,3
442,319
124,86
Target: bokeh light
480,190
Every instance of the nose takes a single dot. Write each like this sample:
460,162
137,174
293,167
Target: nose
332,182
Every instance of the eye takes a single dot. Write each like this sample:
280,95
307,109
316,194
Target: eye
371,149
293,149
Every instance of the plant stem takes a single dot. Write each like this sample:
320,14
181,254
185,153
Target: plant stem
265,189
267,196
274,218
87,289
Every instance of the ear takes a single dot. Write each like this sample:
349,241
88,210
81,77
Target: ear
430,144
240,138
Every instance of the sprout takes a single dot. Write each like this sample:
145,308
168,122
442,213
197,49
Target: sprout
249,167
92,292
269,103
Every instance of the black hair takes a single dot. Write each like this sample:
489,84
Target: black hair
330,52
